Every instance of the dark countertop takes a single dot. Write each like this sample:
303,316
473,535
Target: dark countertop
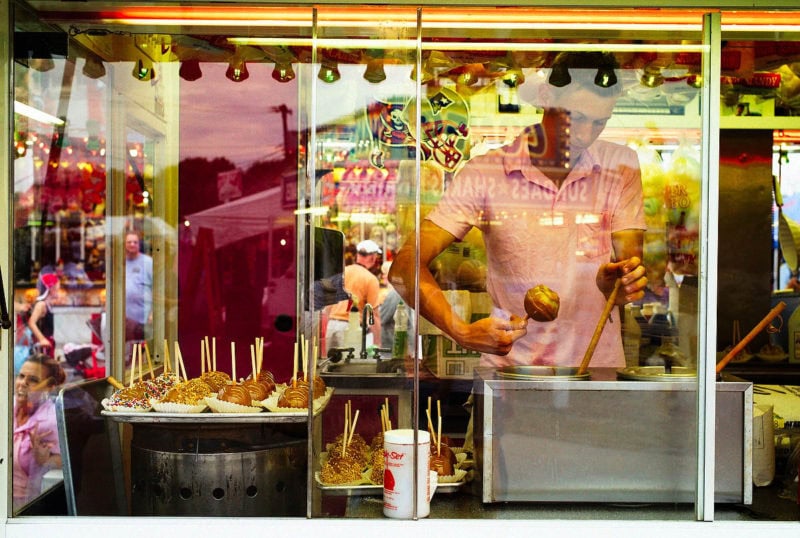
769,504
782,373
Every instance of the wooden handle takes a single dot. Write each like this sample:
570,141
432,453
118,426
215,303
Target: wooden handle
752,334
599,329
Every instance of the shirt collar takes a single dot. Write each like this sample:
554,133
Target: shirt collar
517,159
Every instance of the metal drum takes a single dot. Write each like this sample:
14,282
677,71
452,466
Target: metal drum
217,473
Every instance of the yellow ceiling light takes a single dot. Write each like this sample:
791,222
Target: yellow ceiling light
143,69
237,68
283,72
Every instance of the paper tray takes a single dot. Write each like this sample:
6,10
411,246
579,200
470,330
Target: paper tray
372,489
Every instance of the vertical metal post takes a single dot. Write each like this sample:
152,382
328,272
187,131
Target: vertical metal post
709,217
6,186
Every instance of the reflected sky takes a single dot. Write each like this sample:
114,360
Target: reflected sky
222,118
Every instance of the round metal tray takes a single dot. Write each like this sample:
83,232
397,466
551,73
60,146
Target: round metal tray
542,373
656,373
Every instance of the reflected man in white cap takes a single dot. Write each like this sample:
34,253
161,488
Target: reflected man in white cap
364,288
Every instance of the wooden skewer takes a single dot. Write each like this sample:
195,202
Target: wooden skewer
253,361
294,366
353,428
259,353
439,429
179,358
346,425
167,365
233,361
149,360
133,366
214,353
598,331
208,353
139,353
305,359
777,309
202,357
430,425
175,364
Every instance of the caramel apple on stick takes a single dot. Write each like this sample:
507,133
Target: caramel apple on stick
542,303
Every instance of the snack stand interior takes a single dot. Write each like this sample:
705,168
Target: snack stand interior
250,147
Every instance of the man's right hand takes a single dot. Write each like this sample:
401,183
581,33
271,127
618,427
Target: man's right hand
492,335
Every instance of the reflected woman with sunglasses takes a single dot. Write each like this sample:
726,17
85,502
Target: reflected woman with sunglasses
36,448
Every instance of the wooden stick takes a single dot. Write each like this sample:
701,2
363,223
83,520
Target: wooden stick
133,365
305,358
346,426
139,354
179,358
294,366
353,427
233,361
214,353
175,363
599,329
259,353
430,425
149,360
208,353
253,361
387,418
202,357
167,365
439,430
752,334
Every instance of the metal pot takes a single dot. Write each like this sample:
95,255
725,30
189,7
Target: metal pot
542,373
657,373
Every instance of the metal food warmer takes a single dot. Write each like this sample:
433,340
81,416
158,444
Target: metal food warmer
609,438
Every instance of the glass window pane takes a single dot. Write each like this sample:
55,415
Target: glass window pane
204,182
363,104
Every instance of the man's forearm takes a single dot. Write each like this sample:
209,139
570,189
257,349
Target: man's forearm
433,304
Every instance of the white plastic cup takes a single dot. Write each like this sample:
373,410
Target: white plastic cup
398,474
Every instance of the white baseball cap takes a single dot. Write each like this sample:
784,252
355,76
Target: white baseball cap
368,246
